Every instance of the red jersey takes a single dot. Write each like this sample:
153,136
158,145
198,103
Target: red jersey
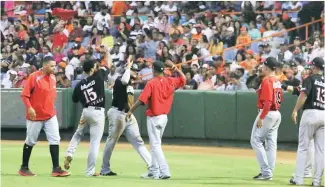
40,93
270,90
158,93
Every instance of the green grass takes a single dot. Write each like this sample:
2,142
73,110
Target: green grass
187,169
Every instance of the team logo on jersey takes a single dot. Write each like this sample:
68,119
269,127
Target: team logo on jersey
85,86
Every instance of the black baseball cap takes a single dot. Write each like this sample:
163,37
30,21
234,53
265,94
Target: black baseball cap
271,62
158,66
318,62
88,65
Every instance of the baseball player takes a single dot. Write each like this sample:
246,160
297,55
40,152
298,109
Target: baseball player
265,129
123,98
158,94
90,92
311,148
38,97
312,100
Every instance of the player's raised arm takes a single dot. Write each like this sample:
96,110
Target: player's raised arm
126,76
178,81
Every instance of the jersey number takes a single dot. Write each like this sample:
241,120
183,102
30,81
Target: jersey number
90,95
321,95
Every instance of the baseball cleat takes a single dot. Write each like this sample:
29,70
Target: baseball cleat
262,177
164,177
111,173
94,175
293,182
260,174
316,184
67,162
146,175
58,172
24,171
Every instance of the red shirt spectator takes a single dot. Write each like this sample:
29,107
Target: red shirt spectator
59,39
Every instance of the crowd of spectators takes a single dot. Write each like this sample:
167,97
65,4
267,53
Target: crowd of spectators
191,34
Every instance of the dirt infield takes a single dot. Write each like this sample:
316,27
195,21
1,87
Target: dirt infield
282,156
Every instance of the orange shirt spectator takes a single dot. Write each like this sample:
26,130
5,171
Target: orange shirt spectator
119,7
250,63
69,27
243,37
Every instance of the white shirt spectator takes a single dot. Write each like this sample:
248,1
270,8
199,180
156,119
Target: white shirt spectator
287,56
221,88
6,82
3,24
112,77
129,12
297,5
87,28
102,21
116,58
134,34
208,33
198,78
69,71
205,52
168,9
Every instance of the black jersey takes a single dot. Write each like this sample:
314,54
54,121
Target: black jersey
123,94
91,90
313,87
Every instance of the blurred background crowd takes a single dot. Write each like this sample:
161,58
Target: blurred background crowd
218,45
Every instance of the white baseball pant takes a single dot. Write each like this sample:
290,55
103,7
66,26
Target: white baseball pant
311,126
266,156
156,126
117,126
94,117
51,129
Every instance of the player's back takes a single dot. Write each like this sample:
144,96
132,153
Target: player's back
91,91
313,86
270,89
161,93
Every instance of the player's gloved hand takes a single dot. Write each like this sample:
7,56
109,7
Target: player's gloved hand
31,113
294,117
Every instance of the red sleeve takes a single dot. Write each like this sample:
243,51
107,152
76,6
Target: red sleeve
26,93
266,109
178,82
266,93
146,93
